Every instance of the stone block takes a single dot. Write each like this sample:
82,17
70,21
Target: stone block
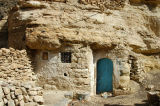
12,88
5,101
49,87
30,98
27,86
36,89
8,97
6,90
21,103
38,99
13,95
32,93
26,98
1,103
69,95
30,104
1,94
117,92
24,92
124,81
16,102
20,97
11,103
18,92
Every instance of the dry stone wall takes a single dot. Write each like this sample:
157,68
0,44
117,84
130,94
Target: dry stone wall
17,80
105,4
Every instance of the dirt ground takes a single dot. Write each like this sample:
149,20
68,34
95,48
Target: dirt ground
139,98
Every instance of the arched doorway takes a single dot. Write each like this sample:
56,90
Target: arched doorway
104,75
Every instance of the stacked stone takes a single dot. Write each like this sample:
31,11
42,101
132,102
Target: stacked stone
137,71
15,65
124,75
24,94
17,80
103,4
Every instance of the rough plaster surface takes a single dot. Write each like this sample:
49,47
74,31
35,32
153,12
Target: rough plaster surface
52,71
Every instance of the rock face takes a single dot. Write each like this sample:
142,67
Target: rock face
125,31
5,6
17,80
146,1
58,23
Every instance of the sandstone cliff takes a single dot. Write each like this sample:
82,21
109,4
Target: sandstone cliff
52,24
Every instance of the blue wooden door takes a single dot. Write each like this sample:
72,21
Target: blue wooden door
104,75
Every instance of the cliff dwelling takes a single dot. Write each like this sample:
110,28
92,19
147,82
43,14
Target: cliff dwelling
93,51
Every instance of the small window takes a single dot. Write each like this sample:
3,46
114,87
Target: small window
66,57
45,56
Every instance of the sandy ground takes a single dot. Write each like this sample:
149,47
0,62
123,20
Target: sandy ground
55,98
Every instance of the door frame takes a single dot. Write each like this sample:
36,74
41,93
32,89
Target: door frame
97,56
97,71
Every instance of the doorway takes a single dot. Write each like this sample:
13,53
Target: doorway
104,76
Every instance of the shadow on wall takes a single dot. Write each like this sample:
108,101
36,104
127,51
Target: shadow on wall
5,6
3,34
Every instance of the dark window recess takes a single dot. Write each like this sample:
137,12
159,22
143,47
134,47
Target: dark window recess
24,38
45,56
66,57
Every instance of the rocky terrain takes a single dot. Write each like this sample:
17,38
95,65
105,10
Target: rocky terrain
17,80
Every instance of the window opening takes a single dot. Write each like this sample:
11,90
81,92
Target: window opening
66,57
45,56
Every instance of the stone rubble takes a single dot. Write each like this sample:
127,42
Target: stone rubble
17,81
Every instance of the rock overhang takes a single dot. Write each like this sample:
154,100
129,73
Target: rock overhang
56,24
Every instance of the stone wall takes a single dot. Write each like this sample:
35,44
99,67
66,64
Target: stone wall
141,65
53,74
17,80
105,4
80,74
